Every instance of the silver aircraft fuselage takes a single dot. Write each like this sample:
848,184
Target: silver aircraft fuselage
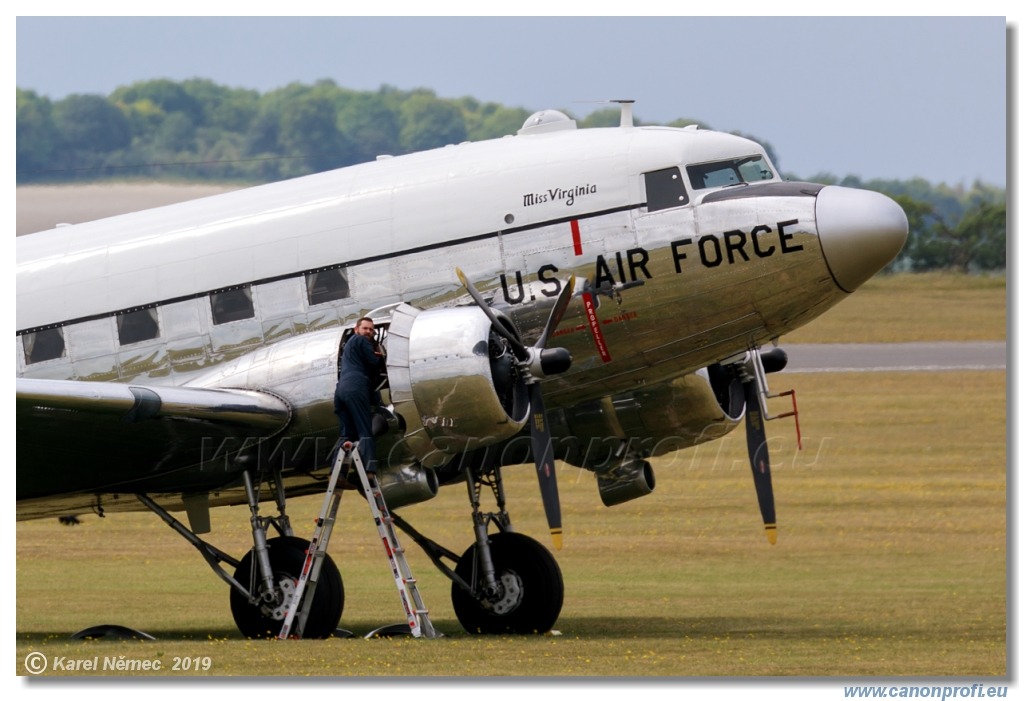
674,269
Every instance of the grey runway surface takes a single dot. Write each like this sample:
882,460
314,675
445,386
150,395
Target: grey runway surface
896,357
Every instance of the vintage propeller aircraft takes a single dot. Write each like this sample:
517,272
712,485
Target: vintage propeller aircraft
597,296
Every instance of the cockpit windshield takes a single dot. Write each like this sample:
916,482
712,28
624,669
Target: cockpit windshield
734,171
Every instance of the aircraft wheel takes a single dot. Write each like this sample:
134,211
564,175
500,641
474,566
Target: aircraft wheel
287,555
530,592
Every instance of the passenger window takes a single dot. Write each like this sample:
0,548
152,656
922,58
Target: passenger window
47,344
664,189
140,325
232,305
326,285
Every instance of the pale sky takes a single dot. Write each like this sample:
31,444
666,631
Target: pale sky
867,96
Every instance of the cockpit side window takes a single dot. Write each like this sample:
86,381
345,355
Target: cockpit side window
730,172
755,169
665,189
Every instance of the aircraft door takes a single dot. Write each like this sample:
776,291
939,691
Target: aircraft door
384,420
665,189
380,381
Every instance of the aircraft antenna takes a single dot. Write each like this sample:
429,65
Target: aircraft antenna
626,114
625,109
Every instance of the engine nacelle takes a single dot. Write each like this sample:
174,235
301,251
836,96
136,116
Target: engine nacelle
454,382
652,421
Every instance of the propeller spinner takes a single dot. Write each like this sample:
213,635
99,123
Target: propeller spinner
534,363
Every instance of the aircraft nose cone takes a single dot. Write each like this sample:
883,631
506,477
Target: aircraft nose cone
860,232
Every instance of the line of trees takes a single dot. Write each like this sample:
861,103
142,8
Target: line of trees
198,130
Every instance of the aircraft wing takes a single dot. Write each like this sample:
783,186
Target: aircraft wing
88,437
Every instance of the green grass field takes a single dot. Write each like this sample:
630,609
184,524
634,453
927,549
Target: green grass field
891,557
921,307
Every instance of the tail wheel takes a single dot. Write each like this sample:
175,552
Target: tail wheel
530,588
287,555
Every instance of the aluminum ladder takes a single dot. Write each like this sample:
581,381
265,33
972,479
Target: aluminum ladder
412,603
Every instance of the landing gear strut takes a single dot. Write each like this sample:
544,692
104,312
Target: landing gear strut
505,582
528,596
264,580
263,619
269,572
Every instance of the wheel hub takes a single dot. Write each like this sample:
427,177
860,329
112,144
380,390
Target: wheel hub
509,596
284,594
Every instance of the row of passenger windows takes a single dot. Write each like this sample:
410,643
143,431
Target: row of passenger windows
225,306
664,187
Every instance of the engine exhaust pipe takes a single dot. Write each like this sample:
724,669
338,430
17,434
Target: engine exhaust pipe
408,484
631,479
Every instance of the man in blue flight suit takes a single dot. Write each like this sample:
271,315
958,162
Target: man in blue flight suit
356,392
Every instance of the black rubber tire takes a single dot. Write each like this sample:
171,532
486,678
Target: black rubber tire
540,579
287,555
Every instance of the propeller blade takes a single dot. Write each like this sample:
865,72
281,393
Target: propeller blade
517,347
539,434
546,361
757,449
544,456
557,312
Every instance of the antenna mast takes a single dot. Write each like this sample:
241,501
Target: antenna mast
626,115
